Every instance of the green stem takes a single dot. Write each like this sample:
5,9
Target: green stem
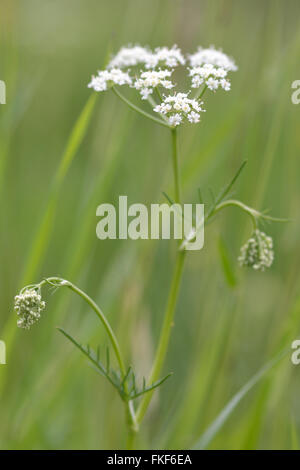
254,214
165,333
98,312
233,202
200,93
175,166
129,409
139,110
158,94
153,103
131,437
172,300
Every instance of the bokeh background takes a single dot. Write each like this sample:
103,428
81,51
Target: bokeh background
229,321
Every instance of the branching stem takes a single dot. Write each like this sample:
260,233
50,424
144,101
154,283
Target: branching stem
140,110
172,299
58,282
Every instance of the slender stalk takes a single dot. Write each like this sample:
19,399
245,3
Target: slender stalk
232,202
165,333
153,103
129,409
158,94
132,427
172,299
200,93
139,110
175,165
254,214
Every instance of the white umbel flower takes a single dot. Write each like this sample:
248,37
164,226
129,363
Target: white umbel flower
28,305
152,79
178,106
213,57
193,117
212,84
257,252
130,57
146,70
210,67
107,78
175,119
211,76
225,84
168,57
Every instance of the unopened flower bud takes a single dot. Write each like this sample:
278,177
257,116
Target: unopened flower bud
28,305
258,252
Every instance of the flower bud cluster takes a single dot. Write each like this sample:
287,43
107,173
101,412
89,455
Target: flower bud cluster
28,305
258,252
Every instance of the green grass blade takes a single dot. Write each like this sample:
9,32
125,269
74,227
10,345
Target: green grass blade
42,237
294,436
226,412
227,264
43,234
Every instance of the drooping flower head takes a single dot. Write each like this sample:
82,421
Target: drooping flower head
258,252
28,305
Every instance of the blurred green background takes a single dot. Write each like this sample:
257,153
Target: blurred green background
227,327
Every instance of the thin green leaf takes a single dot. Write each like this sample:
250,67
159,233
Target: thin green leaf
226,412
227,188
87,352
227,264
212,195
107,361
171,201
200,196
150,388
42,236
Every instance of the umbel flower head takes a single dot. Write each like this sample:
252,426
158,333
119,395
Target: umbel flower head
178,106
136,55
152,79
258,252
28,305
107,78
148,71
